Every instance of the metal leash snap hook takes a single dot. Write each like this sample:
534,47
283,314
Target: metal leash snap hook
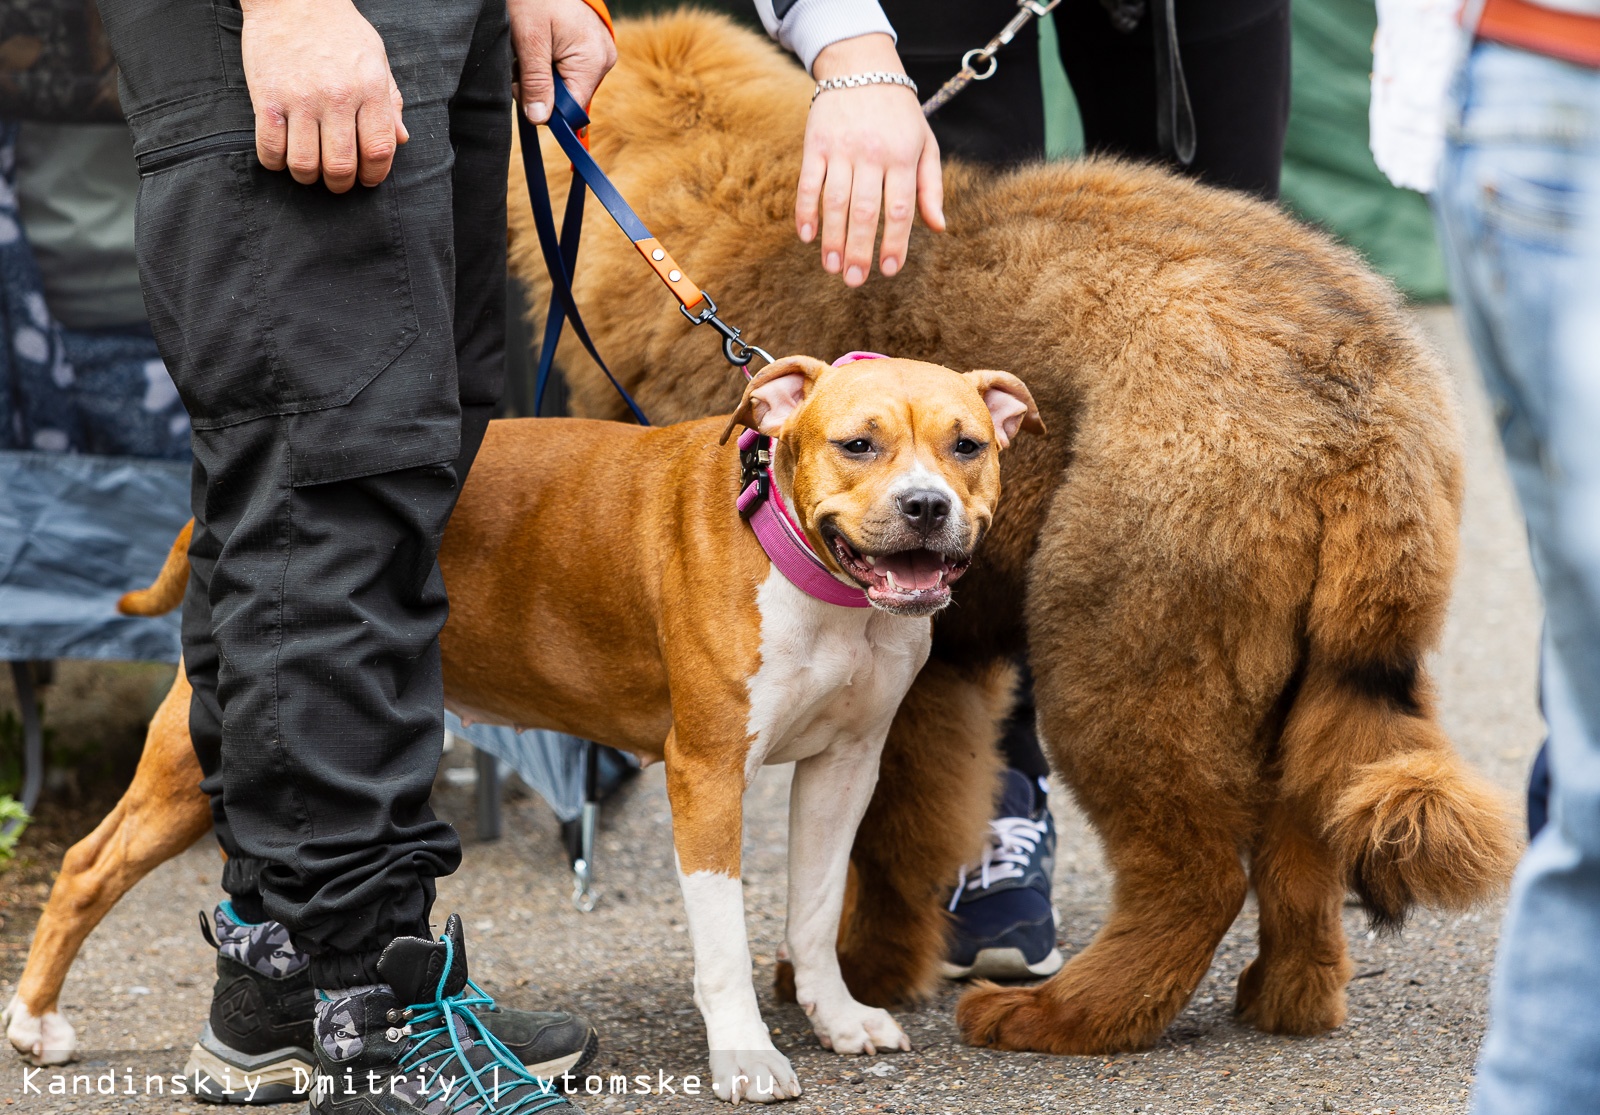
735,351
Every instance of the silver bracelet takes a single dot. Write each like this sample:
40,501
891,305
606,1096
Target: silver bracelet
855,81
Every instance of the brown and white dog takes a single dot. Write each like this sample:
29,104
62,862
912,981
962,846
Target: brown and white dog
630,604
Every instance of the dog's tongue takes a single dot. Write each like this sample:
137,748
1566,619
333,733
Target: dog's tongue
914,570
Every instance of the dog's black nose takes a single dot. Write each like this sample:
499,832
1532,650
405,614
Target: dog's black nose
925,509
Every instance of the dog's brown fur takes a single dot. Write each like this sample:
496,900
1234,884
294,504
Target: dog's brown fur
1226,565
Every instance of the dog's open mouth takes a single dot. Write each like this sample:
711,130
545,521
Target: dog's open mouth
908,580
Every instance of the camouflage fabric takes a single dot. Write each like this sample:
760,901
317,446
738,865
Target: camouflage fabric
55,63
338,1023
265,947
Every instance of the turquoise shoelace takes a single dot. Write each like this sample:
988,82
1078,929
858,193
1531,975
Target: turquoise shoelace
445,1010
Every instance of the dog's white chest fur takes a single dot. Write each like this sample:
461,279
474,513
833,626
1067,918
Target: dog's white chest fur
828,674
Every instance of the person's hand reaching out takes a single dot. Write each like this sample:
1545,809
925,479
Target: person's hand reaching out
868,153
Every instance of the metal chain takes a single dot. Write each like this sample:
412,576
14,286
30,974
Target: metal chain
984,55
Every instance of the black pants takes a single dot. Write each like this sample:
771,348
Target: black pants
1236,60
1235,56
339,356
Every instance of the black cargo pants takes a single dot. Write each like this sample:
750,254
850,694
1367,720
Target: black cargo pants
339,356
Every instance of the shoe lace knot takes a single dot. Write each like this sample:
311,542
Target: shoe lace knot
454,1017
1006,853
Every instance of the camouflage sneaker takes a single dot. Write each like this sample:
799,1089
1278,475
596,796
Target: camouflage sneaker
256,1047
418,1043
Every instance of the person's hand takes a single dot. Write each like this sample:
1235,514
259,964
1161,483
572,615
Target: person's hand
868,151
326,104
565,35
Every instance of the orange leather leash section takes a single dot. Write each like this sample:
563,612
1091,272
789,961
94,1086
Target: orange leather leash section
1569,36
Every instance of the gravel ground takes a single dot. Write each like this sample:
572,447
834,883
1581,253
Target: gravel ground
141,986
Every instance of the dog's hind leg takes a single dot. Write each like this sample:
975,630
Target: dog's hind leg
1176,893
936,790
162,813
1150,700
1296,984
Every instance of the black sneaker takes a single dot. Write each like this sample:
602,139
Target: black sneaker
1005,926
256,1047
418,1044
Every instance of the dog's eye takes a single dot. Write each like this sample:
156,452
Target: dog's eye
857,446
966,447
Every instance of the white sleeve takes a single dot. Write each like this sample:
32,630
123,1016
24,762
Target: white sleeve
806,26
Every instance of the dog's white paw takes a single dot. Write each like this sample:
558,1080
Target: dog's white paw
46,1040
855,1028
753,1075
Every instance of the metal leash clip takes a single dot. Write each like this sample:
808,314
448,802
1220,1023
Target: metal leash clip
985,55
737,352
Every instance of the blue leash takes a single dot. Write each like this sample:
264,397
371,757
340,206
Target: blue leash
561,250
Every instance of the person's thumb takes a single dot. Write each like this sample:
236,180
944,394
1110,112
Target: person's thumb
537,91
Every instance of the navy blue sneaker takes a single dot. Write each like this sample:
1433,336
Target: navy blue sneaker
1005,926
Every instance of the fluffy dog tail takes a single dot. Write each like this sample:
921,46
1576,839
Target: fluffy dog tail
166,593
1361,748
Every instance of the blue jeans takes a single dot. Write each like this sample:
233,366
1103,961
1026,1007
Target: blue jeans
1519,211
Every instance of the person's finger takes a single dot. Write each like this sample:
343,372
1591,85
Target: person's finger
402,134
533,52
899,204
304,155
835,213
375,136
866,202
813,168
272,138
930,185
337,136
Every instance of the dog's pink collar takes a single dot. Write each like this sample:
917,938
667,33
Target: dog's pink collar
782,539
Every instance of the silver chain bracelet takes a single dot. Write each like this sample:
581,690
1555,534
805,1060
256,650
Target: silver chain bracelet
856,81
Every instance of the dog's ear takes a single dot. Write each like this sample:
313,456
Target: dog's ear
1010,404
774,394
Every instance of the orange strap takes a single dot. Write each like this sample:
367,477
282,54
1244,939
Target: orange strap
1568,36
599,7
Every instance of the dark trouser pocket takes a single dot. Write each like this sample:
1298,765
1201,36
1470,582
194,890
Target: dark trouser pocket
281,298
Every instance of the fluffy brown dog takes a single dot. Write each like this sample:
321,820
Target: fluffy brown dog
1225,565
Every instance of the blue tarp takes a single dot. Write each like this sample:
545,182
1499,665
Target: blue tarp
549,762
76,532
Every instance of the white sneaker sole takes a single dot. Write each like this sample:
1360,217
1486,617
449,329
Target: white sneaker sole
1004,964
270,1079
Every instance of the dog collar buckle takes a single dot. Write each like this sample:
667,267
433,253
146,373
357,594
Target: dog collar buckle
755,467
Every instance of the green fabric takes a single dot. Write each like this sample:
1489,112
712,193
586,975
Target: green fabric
1329,177
1063,130
76,188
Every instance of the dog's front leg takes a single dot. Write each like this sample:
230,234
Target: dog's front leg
706,791
827,799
